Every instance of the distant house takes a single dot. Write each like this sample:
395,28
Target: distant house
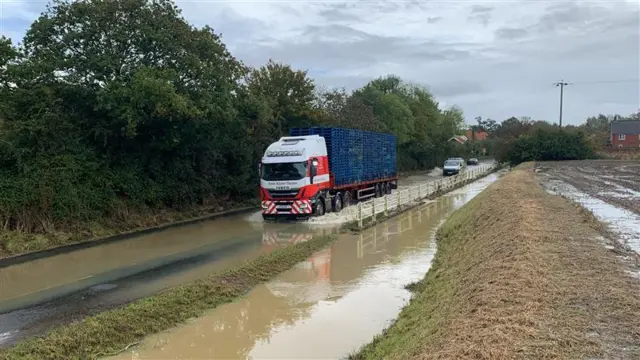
479,135
461,139
625,133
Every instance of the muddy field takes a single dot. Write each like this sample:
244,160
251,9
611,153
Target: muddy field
615,182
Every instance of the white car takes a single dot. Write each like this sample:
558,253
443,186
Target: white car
452,167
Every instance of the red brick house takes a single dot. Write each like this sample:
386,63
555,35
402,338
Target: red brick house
625,133
476,135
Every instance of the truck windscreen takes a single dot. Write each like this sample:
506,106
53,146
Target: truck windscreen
284,171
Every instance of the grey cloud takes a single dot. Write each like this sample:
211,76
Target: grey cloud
434,19
339,13
437,53
482,18
481,14
354,48
457,88
511,33
479,9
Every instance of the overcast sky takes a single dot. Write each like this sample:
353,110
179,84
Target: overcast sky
494,59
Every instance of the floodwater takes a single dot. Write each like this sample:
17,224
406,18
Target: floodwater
325,307
624,222
40,294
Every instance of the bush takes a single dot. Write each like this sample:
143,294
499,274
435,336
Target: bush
548,144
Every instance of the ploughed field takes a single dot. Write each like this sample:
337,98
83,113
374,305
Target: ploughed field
615,182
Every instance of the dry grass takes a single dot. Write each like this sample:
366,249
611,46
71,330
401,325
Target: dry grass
519,273
111,331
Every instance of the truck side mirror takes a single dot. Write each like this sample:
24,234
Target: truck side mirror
313,171
260,170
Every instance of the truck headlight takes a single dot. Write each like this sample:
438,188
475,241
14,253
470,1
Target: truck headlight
304,205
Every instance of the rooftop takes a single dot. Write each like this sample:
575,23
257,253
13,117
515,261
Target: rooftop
625,127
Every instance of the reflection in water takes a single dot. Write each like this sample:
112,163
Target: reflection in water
324,307
47,273
171,259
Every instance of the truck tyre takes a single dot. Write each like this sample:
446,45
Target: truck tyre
387,189
337,203
378,190
346,199
319,210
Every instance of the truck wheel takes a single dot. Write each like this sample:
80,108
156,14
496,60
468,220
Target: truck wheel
346,199
337,203
319,210
387,188
378,190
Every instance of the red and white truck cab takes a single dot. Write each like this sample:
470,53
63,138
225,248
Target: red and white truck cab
294,174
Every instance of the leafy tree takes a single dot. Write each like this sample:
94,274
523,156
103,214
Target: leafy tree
550,144
289,93
114,108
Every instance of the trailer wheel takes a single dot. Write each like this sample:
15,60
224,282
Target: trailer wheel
387,188
319,210
346,199
377,190
337,203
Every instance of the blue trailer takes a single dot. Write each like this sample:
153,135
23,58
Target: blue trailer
319,169
356,156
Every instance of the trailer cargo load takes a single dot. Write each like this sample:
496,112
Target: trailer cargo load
315,170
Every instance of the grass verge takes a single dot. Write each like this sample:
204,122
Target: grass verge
109,332
519,273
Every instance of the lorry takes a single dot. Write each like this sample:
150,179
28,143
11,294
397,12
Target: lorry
317,170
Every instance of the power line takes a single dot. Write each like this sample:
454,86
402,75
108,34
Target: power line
562,84
620,81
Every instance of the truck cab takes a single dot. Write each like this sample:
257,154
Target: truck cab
294,172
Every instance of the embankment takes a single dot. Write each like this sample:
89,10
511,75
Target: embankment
111,331
519,273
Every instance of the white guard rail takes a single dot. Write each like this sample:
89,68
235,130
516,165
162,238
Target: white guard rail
383,205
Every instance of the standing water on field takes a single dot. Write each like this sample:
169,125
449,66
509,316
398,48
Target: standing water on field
325,307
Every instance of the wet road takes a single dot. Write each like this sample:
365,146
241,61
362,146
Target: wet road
325,307
71,287
39,294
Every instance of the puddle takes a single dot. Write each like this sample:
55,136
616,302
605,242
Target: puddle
325,307
624,222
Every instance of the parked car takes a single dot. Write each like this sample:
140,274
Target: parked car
452,167
473,161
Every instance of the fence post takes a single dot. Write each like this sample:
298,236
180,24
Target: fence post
386,206
360,214
373,209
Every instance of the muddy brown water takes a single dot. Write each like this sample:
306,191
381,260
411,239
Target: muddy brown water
38,295
325,307
31,282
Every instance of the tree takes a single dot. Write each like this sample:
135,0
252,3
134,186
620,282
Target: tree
488,125
114,108
289,93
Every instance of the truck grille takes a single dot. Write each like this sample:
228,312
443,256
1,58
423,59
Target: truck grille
283,194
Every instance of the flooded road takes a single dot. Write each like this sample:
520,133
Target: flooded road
325,307
38,295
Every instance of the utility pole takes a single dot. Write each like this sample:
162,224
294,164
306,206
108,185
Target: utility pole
562,84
